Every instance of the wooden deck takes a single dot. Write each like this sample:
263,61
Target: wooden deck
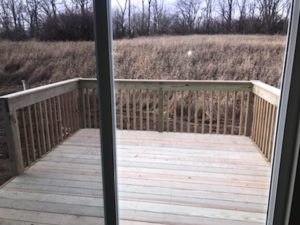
164,178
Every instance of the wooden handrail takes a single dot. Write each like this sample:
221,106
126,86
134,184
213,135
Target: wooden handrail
31,96
174,85
266,92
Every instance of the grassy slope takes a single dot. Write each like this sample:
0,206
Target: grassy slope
212,57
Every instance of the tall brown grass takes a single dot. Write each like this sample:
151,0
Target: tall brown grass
225,57
222,57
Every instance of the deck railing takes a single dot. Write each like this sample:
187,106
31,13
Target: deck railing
37,120
266,100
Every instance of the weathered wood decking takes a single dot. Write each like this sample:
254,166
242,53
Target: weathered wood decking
164,178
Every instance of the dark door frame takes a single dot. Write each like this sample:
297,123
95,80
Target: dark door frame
105,91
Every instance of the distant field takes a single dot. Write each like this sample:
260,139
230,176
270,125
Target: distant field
230,57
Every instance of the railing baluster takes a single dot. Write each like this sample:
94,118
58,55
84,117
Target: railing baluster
263,139
233,113
37,130
56,134
128,110
63,117
141,110
81,108
219,112
257,120
88,105
265,128
71,111
154,98
181,112
134,109
226,112
196,112
77,108
41,116
66,112
253,128
60,119
51,123
147,109
242,109
48,140
247,115
160,110
121,109
25,137
84,107
203,111
189,112
175,112
268,125
272,131
95,110
168,111
260,122
31,135
211,112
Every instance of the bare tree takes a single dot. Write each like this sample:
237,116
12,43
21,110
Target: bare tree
188,11
149,17
143,18
286,10
48,20
5,20
33,19
81,5
227,10
242,8
158,15
121,19
49,8
208,15
129,17
269,11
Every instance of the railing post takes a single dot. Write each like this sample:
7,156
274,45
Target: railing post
12,137
160,110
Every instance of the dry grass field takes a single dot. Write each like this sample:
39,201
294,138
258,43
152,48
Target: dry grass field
219,57
230,57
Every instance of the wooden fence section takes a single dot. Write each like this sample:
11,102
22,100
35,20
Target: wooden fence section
39,119
266,99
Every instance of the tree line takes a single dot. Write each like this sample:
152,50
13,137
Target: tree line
55,20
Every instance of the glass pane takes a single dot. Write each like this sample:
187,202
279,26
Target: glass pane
49,133
197,89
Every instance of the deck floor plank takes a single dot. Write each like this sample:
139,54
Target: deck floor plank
164,179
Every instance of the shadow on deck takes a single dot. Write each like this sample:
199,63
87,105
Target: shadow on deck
164,178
